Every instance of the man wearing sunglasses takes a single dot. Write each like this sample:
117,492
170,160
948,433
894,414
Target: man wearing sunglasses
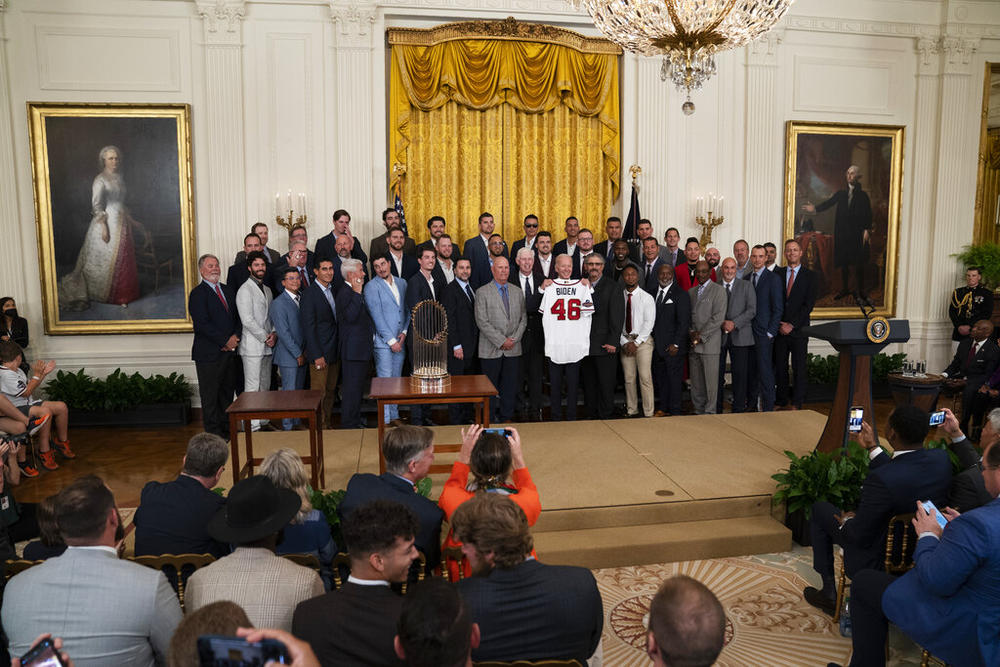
530,232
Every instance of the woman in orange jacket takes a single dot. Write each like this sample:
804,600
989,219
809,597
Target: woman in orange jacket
484,465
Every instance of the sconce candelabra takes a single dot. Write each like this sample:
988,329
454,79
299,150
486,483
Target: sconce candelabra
290,221
708,215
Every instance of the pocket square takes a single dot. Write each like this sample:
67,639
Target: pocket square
668,301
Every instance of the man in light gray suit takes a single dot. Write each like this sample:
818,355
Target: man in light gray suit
708,312
253,301
107,611
737,333
501,318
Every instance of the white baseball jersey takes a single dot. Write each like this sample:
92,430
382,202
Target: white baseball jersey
566,309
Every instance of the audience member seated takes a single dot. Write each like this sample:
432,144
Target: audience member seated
915,474
309,531
299,651
107,611
434,628
17,521
355,625
949,603
15,385
173,516
968,491
268,587
491,459
219,618
409,454
50,543
525,610
974,362
687,624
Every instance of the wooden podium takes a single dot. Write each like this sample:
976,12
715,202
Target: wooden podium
854,384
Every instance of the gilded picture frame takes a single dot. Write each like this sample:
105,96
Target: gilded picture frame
847,226
114,214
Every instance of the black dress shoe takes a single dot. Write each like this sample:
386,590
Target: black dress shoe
816,598
268,427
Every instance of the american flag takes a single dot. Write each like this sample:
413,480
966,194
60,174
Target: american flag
632,221
398,205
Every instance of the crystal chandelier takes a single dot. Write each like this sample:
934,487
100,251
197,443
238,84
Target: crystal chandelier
688,33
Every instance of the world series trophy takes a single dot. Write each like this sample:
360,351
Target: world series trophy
430,348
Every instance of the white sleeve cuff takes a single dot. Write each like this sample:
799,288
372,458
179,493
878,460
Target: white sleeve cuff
875,451
392,341
927,534
456,348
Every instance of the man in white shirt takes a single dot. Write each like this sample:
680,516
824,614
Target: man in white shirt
384,296
445,258
637,344
253,301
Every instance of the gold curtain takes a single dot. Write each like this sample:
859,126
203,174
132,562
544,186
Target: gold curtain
504,124
988,230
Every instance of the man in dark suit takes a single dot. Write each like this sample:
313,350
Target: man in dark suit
567,246
770,306
401,264
463,335
409,454
380,244
687,624
892,487
800,288
477,251
173,516
974,362
326,246
297,258
318,317
670,338
672,238
600,367
436,229
852,225
967,491
216,335
356,624
533,343
528,241
620,260
297,234
545,265
357,333
649,268
343,248
425,285
239,272
270,254
614,229
526,610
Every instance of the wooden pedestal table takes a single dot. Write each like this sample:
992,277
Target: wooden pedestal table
475,389
915,390
275,406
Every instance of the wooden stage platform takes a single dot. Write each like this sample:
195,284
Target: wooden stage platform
629,491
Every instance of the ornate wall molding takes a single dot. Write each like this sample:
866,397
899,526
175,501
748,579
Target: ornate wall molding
764,51
354,20
861,27
508,28
958,53
222,20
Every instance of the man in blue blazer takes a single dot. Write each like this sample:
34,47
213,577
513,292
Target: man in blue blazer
318,318
356,334
290,350
891,487
409,454
948,603
216,335
799,286
477,251
670,340
770,306
385,296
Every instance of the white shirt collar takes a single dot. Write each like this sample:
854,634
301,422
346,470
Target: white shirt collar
366,582
98,547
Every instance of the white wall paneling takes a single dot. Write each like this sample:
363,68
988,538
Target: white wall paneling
292,94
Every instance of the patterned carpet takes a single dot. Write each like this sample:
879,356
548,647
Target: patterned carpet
768,622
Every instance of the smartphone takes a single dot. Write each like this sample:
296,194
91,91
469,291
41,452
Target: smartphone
932,510
937,418
857,416
42,655
219,651
505,432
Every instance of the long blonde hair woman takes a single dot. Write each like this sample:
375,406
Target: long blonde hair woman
285,468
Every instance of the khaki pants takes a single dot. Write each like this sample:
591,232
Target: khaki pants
325,380
642,365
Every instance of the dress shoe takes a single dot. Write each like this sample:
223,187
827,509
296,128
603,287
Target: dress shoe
268,427
300,427
816,598
660,413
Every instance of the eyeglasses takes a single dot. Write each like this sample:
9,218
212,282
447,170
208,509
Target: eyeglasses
984,467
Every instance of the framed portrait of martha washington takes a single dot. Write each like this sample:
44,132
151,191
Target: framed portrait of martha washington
842,199
115,216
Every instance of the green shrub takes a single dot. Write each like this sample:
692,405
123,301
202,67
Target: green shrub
820,476
117,392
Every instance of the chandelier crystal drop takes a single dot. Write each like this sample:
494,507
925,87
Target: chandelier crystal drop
688,33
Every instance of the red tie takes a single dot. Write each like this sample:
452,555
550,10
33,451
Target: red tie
791,281
972,353
628,314
218,293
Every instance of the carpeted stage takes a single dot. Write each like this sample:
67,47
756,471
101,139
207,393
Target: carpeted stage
629,491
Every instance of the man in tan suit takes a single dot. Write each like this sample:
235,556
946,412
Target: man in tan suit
708,312
501,318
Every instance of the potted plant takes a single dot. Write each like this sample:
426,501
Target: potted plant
121,399
822,373
819,476
987,257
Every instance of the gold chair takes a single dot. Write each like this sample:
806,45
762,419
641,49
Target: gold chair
897,561
305,560
175,565
530,663
343,560
452,554
12,567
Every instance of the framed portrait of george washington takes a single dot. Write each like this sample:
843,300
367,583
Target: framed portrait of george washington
114,215
842,199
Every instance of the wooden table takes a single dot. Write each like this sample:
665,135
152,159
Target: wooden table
913,390
277,405
475,389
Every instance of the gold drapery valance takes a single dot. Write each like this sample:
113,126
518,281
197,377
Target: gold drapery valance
483,64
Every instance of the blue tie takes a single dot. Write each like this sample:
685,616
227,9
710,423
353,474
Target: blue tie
468,290
329,299
506,302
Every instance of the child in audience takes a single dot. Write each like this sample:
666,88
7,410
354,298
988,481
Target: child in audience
18,428
16,386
